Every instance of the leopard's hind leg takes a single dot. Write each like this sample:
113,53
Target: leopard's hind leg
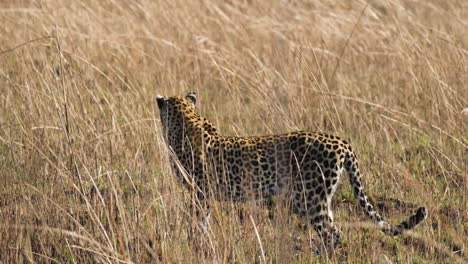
312,201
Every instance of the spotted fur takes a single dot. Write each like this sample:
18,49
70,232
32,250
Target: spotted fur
306,166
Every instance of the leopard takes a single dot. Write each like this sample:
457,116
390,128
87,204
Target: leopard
304,166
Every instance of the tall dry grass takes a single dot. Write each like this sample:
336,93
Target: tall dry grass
84,175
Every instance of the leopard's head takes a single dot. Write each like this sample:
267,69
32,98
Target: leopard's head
176,111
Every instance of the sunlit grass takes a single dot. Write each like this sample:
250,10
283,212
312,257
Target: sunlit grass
84,173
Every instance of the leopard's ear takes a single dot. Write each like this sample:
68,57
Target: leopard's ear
192,96
160,100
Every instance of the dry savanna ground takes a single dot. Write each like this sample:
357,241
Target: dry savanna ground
84,176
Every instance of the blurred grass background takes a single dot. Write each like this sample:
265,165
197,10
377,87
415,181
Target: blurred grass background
84,175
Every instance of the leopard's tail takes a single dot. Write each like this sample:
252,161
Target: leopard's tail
351,165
